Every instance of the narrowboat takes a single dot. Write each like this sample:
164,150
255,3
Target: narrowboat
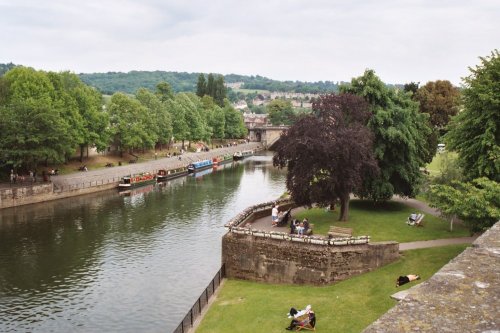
136,180
219,160
163,174
239,155
200,165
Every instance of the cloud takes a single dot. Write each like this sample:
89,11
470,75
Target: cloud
295,40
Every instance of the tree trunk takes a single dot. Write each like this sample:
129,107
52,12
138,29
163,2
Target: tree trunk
451,223
344,208
81,153
182,144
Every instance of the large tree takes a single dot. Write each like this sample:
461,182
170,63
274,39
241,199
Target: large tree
130,123
32,126
201,85
233,121
475,132
158,112
400,138
328,153
477,203
440,99
280,112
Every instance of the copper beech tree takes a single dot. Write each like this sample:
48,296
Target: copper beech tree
329,152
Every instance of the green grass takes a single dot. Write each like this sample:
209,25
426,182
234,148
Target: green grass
382,222
348,306
434,167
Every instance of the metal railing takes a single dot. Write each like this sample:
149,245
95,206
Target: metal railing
195,311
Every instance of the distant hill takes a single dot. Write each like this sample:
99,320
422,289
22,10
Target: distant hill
111,82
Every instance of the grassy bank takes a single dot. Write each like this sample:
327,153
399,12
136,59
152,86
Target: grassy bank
348,306
382,222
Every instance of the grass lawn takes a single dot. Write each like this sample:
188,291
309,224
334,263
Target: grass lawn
348,306
434,167
383,222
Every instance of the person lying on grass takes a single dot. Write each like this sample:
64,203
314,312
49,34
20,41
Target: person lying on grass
405,279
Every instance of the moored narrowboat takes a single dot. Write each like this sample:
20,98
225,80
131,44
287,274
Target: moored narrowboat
239,155
136,180
163,174
200,165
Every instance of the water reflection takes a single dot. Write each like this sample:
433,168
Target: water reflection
107,262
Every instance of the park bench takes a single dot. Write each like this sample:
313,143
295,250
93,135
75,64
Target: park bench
336,232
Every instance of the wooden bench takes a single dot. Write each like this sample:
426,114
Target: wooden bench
336,232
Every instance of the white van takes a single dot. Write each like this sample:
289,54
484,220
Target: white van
441,147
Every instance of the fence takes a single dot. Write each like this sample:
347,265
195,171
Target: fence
188,321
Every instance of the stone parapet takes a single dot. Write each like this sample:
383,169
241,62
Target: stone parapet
463,296
271,260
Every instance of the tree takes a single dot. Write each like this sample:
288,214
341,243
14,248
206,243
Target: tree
164,91
214,116
440,99
476,203
201,86
233,120
219,91
280,112
210,85
328,153
412,88
158,112
29,103
400,138
130,121
474,132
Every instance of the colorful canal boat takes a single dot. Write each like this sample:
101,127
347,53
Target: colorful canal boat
136,180
200,165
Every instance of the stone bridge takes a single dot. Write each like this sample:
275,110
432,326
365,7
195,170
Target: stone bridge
267,135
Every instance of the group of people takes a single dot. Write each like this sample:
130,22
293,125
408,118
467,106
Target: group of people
300,228
15,178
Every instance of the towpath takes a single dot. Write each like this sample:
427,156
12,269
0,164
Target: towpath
115,173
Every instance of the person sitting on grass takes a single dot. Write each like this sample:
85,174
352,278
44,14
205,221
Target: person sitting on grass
302,318
405,279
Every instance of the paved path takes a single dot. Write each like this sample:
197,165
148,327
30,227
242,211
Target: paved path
264,223
115,173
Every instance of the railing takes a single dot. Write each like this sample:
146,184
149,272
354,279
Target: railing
195,311
237,226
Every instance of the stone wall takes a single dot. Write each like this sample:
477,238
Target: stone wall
18,196
271,260
463,296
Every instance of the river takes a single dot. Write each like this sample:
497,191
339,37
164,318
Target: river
109,262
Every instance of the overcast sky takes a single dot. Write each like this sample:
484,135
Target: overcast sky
308,40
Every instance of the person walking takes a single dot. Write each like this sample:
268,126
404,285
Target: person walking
274,215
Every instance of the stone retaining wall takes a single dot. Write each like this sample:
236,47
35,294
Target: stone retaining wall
463,296
271,260
18,196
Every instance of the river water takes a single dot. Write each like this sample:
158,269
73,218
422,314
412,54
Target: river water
109,262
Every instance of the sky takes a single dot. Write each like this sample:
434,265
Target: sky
306,40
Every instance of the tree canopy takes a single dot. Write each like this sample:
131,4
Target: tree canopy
477,203
400,138
280,112
56,111
441,100
474,133
328,153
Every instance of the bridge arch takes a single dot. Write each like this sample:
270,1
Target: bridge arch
267,135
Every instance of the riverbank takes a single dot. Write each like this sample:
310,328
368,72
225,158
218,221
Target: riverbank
79,183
